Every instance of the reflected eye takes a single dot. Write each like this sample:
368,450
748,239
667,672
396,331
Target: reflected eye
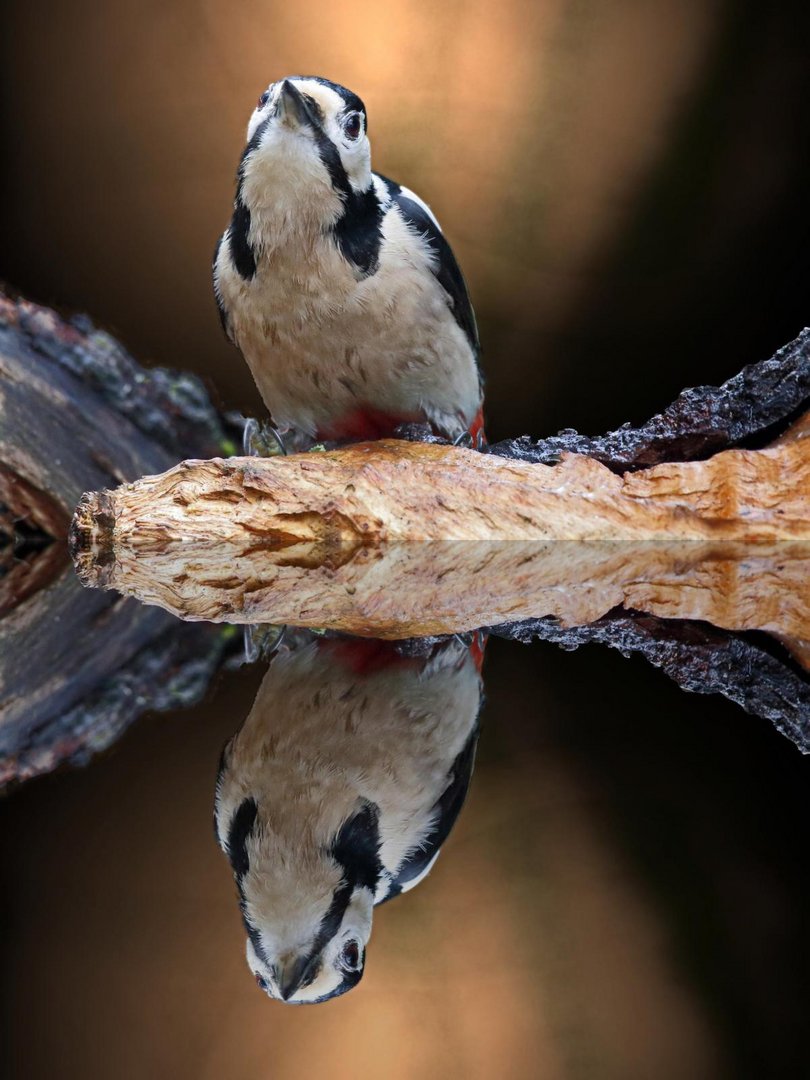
353,125
260,982
350,956
263,99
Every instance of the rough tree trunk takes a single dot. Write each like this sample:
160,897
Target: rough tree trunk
76,412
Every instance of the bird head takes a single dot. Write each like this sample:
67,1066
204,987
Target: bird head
308,909
349,743
307,152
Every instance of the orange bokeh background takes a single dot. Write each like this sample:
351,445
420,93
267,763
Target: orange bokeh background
615,177
625,184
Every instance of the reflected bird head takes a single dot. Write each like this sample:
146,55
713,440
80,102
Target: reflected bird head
307,909
323,957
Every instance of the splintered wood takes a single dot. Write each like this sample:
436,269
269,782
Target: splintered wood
396,539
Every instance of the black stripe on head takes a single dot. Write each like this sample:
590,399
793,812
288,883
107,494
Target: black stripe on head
358,230
241,827
328,929
330,156
357,847
352,102
253,933
331,922
242,253
330,925
239,830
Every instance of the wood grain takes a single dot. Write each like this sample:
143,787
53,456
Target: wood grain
397,539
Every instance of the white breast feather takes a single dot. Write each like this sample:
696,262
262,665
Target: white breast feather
321,343
319,737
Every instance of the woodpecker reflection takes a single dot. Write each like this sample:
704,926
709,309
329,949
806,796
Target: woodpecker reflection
337,794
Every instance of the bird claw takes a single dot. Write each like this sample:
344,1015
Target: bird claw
413,432
260,439
263,641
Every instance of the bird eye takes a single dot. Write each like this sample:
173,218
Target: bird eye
263,99
260,982
350,956
353,125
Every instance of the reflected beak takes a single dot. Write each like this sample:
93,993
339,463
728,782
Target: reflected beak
289,976
295,109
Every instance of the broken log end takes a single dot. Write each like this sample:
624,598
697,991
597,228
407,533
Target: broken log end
91,539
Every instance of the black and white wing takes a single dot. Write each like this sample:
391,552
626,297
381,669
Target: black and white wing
446,811
448,273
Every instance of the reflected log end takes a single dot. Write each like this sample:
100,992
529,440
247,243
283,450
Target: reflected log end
92,538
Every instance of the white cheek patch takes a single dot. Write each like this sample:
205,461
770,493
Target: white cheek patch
329,100
323,985
261,112
256,118
253,962
356,160
355,156
252,958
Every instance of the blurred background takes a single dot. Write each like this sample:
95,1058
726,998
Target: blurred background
624,897
625,183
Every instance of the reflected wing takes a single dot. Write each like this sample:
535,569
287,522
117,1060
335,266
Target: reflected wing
448,806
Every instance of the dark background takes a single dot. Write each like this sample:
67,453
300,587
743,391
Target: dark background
626,185
625,181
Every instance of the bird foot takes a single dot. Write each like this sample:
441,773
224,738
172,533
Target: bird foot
262,641
424,433
260,439
418,433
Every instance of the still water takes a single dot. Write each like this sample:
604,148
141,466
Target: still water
621,894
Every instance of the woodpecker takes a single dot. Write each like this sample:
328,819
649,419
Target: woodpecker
337,284
336,795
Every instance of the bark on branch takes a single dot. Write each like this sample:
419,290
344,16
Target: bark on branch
744,411
396,539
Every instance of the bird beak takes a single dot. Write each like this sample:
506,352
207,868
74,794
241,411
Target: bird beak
290,974
295,110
